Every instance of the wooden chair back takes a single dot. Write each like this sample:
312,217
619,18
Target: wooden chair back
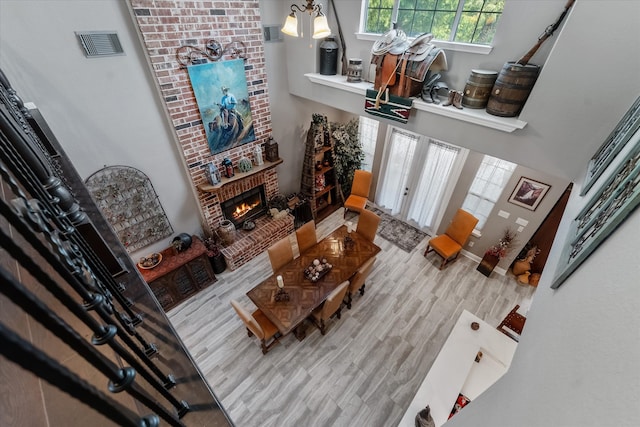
461,226
334,301
513,324
249,321
368,224
280,253
361,183
306,236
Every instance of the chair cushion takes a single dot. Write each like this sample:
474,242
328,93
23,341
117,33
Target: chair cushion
355,203
306,236
445,246
268,327
368,224
361,183
461,226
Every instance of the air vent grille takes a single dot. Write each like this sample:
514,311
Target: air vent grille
100,43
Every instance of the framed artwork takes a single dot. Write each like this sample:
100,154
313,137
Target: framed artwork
602,214
528,193
617,139
223,101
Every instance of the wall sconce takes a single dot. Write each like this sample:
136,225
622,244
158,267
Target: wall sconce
320,23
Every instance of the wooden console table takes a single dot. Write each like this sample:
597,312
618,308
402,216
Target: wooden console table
180,274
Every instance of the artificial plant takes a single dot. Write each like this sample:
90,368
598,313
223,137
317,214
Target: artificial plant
348,153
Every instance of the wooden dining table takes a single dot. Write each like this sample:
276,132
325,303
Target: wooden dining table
304,295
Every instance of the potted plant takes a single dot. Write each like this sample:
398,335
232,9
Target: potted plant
348,153
493,254
212,243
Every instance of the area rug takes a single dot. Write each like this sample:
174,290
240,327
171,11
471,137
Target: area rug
401,234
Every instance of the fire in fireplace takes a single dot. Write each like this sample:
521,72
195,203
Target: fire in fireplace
248,205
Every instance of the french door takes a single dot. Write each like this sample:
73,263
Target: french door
418,176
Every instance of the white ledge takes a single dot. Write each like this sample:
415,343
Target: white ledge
476,116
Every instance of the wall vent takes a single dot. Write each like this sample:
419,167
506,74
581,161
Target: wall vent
272,33
100,43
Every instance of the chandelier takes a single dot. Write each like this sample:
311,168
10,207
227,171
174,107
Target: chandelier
320,24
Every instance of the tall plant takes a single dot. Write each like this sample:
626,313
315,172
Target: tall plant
348,152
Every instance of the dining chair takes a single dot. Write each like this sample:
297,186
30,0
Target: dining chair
513,324
280,253
360,186
449,244
368,224
357,282
332,305
306,236
257,324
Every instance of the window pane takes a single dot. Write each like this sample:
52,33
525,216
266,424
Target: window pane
476,23
486,28
368,130
486,188
441,28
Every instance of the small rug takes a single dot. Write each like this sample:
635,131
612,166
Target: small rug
401,234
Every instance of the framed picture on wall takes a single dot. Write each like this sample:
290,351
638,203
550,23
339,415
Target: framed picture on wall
222,96
528,193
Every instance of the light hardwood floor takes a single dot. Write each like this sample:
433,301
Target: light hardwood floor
366,369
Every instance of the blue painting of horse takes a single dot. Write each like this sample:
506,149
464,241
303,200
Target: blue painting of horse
223,101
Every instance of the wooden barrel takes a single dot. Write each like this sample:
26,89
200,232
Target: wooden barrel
512,88
478,88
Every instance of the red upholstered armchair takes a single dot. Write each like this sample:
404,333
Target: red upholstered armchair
360,186
449,244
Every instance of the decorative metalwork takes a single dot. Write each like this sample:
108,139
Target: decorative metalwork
129,202
623,131
190,55
607,209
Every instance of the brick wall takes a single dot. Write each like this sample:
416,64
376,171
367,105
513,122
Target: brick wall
167,25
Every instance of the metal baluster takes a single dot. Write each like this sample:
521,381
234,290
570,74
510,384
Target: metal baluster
31,213
119,379
32,359
95,301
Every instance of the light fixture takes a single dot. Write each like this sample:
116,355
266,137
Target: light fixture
320,24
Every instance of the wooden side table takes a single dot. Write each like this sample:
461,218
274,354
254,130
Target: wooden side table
180,274
487,264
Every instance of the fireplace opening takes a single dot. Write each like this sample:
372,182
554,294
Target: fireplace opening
248,205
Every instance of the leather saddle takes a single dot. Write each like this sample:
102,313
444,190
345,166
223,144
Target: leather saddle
403,68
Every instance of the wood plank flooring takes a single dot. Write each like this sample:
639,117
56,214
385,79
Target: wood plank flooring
366,369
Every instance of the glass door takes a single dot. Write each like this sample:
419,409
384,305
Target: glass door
419,173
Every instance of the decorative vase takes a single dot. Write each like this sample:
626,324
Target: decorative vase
227,232
521,266
244,164
181,242
218,263
487,264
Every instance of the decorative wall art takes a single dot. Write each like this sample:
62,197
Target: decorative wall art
223,100
605,210
129,202
528,193
616,140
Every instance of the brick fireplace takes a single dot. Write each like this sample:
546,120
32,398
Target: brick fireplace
249,243
170,24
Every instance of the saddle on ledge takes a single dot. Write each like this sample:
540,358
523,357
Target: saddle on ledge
403,68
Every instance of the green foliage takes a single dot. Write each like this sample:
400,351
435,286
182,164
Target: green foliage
477,22
348,152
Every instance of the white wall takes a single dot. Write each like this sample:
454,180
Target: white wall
577,361
587,82
104,111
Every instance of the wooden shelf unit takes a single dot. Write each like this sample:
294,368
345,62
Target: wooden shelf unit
327,197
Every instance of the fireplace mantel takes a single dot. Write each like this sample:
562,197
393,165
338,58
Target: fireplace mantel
239,176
